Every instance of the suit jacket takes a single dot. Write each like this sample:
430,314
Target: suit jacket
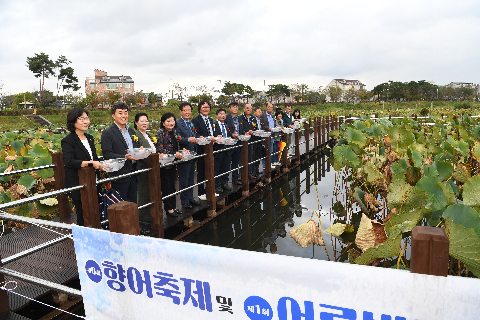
142,163
246,125
231,125
114,146
164,142
74,153
201,128
217,131
185,133
287,121
264,119
263,123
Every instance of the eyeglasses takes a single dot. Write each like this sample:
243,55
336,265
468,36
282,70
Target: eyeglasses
83,118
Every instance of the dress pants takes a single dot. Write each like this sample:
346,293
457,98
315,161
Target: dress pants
271,151
233,158
79,212
127,188
221,166
186,176
168,177
254,153
201,175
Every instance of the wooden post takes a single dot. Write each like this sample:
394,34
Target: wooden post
389,117
155,189
210,176
376,116
307,139
415,117
315,134
268,160
123,218
89,197
429,251
4,306
59,174
322,132
284,154
332,123
297,145
244,170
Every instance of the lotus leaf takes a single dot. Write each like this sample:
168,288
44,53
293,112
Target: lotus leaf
49,202
45,173
444,169
336,229
25,210
471,191
415,156
464,245
395,230
436,197
430,170
401,139
39,152
388,249
398,192
461,173
17,145
27,181
464,215
476,150
355,136
307,233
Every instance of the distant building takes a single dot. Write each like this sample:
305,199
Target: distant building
104,83
463,85
345,85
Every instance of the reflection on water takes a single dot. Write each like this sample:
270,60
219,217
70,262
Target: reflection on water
262,222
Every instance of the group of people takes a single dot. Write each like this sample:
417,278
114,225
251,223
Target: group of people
175,137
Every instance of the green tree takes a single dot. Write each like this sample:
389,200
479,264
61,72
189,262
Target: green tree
200,97
43,67
237,90
350,95
299,91
222,100
130,99
278,91
65,78
113,96
152,98
92,99
335,94
48,98
3,97
21,97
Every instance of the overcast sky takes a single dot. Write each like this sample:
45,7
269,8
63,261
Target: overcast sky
159,43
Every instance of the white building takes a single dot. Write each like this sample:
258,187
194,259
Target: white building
345,85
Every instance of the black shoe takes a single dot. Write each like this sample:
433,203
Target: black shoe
145,232
219,190
178,212
195,202
172,214
187,206
227,187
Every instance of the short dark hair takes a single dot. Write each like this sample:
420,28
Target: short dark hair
183,104
202,103
256,108
220,110
118,105
166,116
72,117
278,112
137,117
231,104
278,109
266,104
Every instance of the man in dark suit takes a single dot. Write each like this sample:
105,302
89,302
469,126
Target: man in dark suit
257,147
115,141
235,127
221,165
249,125
186,169
268,117
204,126
288,123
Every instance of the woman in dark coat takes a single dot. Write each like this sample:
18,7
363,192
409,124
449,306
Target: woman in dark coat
167,143
78,151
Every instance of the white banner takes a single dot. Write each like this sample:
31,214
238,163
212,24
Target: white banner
133,277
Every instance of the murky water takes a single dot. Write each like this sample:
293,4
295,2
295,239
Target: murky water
262,222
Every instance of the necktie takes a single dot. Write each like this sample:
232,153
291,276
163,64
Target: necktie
224,132
207,123
190,127
235,124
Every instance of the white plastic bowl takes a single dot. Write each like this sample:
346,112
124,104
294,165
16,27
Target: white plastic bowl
203,141
265,134
288,130
230,141
140,153
167,158
220,140
276,129
258,133
303,120
188,155
113,165
244,137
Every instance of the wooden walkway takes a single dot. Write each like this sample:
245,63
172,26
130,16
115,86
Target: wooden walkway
57,263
